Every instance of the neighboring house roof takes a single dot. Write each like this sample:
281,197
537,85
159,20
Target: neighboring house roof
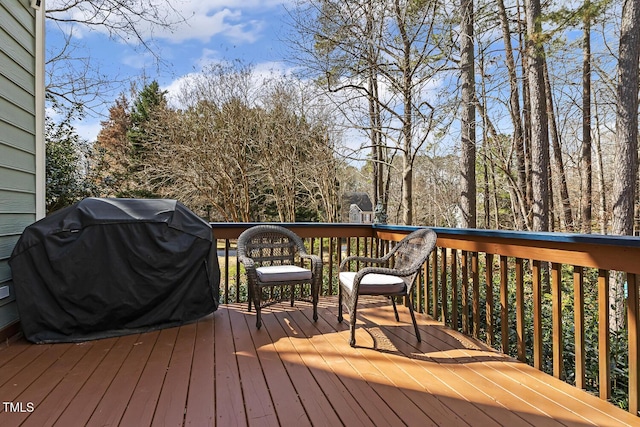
358,198
361,199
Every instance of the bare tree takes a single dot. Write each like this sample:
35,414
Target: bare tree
468,122
539,119
74,79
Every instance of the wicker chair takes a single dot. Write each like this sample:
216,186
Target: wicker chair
272,256
408,257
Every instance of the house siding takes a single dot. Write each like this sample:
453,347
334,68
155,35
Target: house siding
17,137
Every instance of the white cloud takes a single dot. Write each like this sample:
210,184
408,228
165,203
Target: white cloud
239,21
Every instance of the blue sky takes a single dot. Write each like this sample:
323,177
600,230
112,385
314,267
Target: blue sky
215,30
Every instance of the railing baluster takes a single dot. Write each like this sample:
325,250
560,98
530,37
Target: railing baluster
464,266
475,275
537,315
556,295
522,354
226,271
330,266
504,303
434,283
237,275
634,351
454,289
427,290
604,351
443,284
489,300
578,315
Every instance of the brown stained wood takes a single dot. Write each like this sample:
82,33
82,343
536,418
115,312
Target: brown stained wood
20,360
306,370
237,278
201,402
475,291
257,398
57,400
454,289
489,298
504,303
556,296
114,402
143,403
537,315
633,325
331,253
435,294
442,378
88,397
173,398
426,302
318,356
364,405
602,256
229,407
226,271
604,345
9,352
316,404
578,315
285,399
444,301
520,327
464,266
45,384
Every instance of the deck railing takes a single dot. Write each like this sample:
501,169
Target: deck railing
530,295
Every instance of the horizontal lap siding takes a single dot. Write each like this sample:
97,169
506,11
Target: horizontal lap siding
17,137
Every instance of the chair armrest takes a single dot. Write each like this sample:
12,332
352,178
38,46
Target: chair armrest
247,262
365,259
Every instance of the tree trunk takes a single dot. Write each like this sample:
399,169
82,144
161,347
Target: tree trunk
514,110
557,156
526,102
585,152
539,120
468,126
626,152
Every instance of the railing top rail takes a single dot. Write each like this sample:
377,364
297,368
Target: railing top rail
555,237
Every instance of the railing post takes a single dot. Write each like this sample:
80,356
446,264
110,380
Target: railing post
226,271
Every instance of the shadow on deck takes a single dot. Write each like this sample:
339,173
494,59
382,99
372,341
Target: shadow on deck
222,371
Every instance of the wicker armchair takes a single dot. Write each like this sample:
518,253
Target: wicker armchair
408,257
272,256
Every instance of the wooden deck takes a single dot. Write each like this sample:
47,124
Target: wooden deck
222,371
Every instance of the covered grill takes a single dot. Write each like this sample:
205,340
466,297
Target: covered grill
109,267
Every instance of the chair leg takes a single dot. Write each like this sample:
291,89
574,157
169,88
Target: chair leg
257,304
352,328
413,318
314,298
250,296
340,304
293,292
395,309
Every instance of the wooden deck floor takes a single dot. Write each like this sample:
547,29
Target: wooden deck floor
222,371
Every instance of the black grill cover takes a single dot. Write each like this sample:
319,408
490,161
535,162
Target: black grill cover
110,267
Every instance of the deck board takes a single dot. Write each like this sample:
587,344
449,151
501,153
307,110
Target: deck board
222,371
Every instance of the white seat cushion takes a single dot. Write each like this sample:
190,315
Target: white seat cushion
373,284
282,273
